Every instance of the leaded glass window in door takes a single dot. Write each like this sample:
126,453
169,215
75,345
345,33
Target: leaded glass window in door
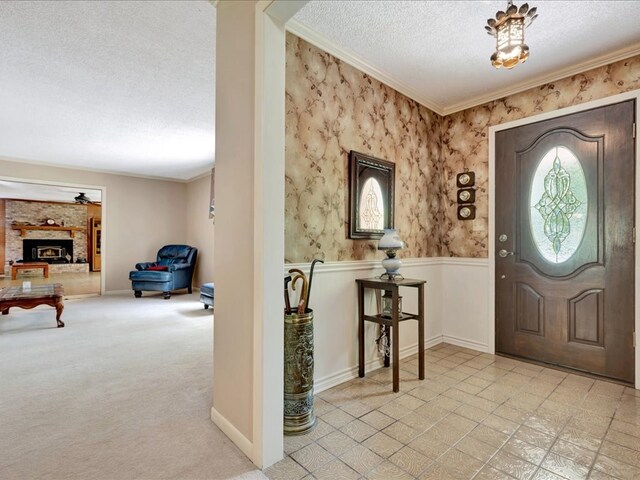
558,205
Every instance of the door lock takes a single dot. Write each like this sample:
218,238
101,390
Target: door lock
504,254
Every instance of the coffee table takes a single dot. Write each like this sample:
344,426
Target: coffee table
29,266
51,294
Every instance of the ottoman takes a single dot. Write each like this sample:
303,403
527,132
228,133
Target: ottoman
206,295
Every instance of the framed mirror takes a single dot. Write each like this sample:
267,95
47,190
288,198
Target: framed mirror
371,196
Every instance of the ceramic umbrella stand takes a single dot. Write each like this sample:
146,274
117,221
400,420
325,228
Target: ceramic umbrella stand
298,373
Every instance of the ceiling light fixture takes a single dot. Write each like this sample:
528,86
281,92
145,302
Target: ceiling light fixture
508,29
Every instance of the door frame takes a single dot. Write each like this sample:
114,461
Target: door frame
103,199
633,95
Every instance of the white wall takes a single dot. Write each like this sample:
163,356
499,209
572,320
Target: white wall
455,311
200,229
142,214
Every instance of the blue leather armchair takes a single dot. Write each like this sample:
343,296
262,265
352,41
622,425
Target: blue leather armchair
180,261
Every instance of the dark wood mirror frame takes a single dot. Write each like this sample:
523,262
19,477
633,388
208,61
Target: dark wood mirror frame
361,168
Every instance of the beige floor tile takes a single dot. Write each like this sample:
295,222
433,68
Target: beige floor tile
437,472
459,464
477,449
336,470
544,424
411,461
388,471
312,457
356,408
489,435
382,444
286,469
419,421
377,420
489,473
423,393
535,437
511,413
616,468
361,459
524,450
564,467
296,442
401,432
395,409
483,403
620,453
321,429
444,403
514,466
337,418
597,475
501,424
429,446
580,438
472,413
320,406
608,389
444,434
573,452
358,430
337,443
543,474
623,439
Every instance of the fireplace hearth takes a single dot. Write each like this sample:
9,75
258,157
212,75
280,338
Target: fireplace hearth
48,250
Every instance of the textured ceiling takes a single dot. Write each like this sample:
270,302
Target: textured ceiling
33,191
440,50
125,86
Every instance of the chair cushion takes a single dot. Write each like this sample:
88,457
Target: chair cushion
158,268
207,289
150,276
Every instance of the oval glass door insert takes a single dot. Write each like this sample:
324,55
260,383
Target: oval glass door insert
558,205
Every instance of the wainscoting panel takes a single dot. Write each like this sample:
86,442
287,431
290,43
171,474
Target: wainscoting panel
456,309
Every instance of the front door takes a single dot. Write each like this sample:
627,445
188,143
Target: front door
564,267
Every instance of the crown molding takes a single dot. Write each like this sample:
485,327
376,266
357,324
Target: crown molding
304,32
554,76
108,171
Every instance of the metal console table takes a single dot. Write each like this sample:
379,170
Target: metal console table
392,323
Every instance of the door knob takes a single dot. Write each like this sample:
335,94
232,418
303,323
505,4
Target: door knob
503,253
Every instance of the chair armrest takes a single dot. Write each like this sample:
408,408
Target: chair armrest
145,265
179,266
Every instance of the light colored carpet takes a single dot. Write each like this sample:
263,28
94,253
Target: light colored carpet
122,392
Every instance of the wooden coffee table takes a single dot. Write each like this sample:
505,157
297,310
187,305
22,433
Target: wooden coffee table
29,266
51,294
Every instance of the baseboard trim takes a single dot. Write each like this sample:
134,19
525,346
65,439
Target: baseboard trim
463,342
350,373
242,442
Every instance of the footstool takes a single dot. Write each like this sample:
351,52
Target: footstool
206,295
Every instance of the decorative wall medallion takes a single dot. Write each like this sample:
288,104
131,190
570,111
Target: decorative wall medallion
467,212
466,195
466,179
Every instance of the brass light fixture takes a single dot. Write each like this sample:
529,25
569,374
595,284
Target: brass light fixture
508,29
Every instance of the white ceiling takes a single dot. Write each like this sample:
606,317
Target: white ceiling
129,86
54,193
438,51
125,86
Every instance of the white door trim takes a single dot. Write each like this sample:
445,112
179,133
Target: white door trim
635,94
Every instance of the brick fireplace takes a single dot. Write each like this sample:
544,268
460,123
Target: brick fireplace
51,246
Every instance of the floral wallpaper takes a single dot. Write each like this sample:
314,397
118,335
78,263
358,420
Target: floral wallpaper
465,142
333,108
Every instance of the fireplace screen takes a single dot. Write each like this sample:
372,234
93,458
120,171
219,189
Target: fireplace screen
48,250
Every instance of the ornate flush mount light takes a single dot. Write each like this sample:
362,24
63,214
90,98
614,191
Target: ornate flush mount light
508,29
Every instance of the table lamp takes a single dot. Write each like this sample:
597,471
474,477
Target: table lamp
390,243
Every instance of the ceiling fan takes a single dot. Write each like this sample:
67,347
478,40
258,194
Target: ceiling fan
83,199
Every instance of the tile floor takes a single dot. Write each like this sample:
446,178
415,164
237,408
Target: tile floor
474,416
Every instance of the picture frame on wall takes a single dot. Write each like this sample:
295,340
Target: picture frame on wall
371,196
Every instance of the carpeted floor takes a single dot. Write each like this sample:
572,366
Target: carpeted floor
122,392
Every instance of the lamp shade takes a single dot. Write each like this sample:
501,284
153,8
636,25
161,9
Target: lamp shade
390,240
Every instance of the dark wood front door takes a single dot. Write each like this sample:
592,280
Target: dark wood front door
564,265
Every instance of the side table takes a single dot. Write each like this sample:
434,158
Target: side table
391,323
